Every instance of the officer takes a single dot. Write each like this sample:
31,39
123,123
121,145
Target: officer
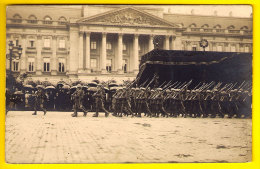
78,97
40,97
99,100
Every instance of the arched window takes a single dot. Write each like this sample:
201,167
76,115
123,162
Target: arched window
244,28
231,27
217,26
205,26
193,25
17,18
32,19
47,20
62,20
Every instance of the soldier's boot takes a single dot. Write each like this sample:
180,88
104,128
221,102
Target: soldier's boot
75,114
85,113
213,115
95,115
35,113
107,114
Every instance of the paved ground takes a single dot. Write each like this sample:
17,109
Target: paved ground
59,138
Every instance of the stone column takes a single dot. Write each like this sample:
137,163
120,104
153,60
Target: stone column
87,52
120,54
237,47
151,46
173,43
38,56
167,42
80,70
103,53
23,57
74,48
178,43
136,54
54,56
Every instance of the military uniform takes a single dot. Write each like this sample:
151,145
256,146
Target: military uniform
40,98
99,101
78,97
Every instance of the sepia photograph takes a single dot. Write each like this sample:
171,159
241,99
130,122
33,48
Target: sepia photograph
91,84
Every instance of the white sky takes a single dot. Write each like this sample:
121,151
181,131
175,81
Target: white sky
222,10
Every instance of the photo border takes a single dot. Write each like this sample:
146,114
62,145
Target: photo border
255,164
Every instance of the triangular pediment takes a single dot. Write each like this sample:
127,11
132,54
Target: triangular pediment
127,17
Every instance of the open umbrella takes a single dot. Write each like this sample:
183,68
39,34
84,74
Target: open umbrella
50,87
66,87
28,86
92,84
18,92
92,89
40,86
112,85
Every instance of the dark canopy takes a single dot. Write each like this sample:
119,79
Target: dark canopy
199,66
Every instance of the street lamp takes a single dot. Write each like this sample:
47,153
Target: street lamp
14,52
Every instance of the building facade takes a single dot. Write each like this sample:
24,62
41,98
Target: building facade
104,42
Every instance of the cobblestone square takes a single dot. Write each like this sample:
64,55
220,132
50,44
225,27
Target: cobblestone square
59,138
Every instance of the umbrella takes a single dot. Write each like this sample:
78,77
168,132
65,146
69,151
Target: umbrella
28,86
50,87
66,87
40,86
18,92
106,89
114,88
112,85
93,89
92,84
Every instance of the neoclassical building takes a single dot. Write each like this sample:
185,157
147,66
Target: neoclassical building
87,42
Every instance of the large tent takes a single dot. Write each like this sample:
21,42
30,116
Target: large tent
200,66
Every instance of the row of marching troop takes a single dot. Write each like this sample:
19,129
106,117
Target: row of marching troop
59,97
170,99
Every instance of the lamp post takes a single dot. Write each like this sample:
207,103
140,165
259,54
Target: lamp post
13,51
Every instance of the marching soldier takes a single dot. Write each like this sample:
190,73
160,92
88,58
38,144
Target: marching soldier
78,97
40,97
99,100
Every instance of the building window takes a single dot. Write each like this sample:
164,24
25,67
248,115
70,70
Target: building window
93,63
61,67
30,64
46,64
219,48
194,47
109,65
31,43
93,45
62,20
124,46
17,18
233,48
125,65
47,20
47,43
246,48
109,46
32,19
15,66
62,43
